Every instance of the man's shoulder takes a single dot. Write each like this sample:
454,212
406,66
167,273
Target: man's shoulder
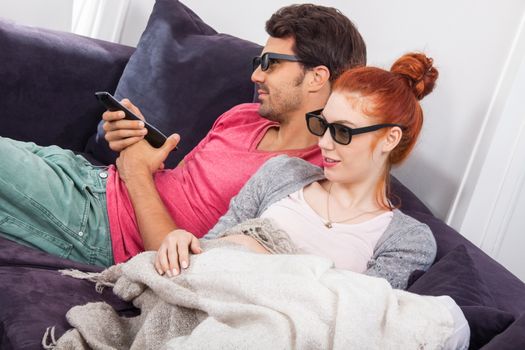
244,109
243,113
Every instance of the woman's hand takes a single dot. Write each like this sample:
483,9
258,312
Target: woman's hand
174,252
248,242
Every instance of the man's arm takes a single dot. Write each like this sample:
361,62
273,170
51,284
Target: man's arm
153,219
136,165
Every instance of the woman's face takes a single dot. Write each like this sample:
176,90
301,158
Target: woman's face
363,159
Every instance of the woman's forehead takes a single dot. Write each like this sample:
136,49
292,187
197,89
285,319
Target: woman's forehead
348,107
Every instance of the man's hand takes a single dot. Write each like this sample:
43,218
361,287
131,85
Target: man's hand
173,253
121,133
141,159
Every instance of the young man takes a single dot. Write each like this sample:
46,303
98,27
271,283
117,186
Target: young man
309,46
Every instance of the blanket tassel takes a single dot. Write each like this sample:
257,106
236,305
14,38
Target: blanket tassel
50,333
94,277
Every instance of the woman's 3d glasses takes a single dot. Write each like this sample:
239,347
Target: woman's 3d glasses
341,134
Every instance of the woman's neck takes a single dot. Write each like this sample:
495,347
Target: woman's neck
356,196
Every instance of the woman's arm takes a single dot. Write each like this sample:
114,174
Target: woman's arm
409,248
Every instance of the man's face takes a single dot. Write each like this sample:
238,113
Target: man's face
280,88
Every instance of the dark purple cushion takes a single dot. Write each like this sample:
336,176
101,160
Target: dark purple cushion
182,76
36,296
455,275
511,297
513,338
47,80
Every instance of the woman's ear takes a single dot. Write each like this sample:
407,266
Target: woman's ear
320,76
392,138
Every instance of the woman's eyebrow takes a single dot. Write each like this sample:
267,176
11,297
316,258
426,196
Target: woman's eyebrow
344,122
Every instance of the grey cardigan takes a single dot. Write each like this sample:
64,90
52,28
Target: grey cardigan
405,246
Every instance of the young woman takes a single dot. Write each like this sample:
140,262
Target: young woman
370,123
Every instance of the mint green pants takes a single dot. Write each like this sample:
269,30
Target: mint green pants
55,201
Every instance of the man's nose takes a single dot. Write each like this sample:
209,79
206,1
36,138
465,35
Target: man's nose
258,75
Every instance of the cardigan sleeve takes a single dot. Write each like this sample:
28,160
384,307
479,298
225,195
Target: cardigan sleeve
411,248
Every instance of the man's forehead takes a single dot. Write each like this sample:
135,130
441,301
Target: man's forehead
279,45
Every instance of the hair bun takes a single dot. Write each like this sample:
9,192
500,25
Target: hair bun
418,70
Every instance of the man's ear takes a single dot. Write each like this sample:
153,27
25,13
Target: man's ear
392,138
319,77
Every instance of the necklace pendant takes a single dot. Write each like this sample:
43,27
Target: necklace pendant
328,224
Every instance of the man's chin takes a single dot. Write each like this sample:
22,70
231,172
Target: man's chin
267,112
264,111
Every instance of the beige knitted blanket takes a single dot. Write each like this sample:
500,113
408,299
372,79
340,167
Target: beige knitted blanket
230,298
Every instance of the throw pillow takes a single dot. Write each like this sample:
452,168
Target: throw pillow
182,76
456,276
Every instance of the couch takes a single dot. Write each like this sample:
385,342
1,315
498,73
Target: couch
182,75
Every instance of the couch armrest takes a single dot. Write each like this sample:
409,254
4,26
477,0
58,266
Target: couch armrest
47,81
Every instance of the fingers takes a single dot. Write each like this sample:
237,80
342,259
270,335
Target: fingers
161,260
123,133
171,143
120,145
127,103
195,246
166,260
173,254
173,261
121,124
183,251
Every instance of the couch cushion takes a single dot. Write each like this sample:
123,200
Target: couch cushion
511,298
47,80
513,337
456,275
35,295
182,76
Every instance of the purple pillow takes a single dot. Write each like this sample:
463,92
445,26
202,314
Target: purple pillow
456,276
182,76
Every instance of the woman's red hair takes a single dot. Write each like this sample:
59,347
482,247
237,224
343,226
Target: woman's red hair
393,97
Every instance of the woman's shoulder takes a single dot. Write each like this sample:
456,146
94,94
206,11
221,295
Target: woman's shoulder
408,221
407,231
284,165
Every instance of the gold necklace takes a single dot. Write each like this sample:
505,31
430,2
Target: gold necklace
329,222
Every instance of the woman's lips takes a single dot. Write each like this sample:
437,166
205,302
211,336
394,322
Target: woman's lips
329,162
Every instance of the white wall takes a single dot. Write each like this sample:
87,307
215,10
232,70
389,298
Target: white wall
51,14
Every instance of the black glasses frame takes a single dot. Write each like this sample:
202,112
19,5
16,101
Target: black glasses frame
336,128
266,60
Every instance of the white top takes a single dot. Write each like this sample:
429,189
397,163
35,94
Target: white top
349,246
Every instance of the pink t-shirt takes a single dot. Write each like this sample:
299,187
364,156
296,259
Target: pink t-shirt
198,193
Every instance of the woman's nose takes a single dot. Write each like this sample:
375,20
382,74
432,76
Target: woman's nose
326,141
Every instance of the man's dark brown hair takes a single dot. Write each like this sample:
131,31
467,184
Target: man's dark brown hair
323,36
